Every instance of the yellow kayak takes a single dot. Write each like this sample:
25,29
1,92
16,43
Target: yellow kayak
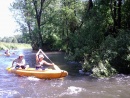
41,74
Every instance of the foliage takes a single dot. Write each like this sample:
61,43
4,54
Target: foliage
121,62
15,39
112,56
103,69
95,32
4,46
103,52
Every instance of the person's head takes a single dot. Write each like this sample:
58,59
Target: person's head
41,57
21,56
7,50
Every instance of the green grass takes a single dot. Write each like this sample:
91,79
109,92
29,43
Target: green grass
4,46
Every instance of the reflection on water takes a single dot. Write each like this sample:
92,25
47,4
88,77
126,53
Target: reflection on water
72,86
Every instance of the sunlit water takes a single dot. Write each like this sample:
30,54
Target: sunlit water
72,86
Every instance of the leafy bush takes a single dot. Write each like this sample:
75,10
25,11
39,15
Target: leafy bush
112,57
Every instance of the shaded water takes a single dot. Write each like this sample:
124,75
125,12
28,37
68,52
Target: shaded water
72,86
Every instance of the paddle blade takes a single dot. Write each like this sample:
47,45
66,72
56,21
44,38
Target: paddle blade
8,68
56,67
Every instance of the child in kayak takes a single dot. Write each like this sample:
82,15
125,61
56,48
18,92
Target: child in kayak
41,64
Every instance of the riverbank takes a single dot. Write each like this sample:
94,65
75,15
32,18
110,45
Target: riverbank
4,46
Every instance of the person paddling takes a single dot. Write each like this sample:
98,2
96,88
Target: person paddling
41,64
20,63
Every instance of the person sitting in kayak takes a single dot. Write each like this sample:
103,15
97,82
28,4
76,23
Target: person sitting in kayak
7,52
41,64
20,62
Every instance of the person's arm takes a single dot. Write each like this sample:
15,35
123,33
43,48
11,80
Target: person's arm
13,62
50,64
37,55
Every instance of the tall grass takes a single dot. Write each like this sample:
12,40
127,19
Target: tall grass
4,46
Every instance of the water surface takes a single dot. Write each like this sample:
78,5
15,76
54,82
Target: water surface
74,85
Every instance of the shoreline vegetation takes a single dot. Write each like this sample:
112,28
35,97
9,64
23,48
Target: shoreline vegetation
4,46
94,32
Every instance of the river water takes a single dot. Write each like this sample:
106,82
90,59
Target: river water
74,85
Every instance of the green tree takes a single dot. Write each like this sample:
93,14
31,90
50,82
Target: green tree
14,40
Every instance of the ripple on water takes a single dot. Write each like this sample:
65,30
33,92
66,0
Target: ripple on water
72,90
8,93
32,79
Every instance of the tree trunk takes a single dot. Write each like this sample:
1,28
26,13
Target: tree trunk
33,43
38,15
119,14
114,17
90,5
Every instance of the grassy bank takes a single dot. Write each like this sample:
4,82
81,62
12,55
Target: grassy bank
4,46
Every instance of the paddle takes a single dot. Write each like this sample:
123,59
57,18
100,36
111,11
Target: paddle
55,66
9,68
